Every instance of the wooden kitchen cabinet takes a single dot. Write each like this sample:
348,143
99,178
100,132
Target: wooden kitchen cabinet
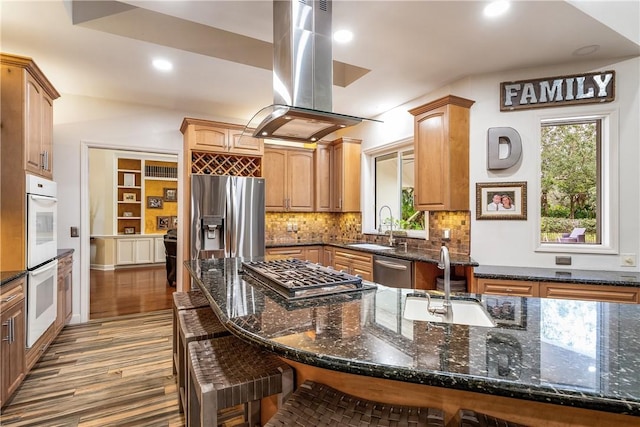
441,146
620,294
205,135
303,253
508,287
289,180
27,115
323,176
65,284
12,350
346,175
327,256
337,175
353,262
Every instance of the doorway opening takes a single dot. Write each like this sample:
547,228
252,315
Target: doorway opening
132,204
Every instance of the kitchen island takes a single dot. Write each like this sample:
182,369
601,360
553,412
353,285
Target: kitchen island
551,362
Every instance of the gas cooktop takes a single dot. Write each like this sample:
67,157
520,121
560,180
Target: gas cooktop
295,279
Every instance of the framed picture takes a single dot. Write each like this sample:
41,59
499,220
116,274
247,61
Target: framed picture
127,214
154,202
129,230
170,194
507,311
174,222
501,200
129,180
129,197
163,222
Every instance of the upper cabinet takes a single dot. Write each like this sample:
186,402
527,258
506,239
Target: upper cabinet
337,173
223,138
441,145
289,181
27,115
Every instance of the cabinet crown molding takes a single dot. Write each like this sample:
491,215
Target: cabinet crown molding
202,122
33,69
446,100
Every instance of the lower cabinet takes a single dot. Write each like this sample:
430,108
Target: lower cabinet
303,253
12,351
65,281
558,290
624,294
135,251
352,262
520,288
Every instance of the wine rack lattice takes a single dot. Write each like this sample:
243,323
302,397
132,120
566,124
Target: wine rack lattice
224,164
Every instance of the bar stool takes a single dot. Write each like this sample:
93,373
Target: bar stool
469,418
194,325
184,301
315,404
227,372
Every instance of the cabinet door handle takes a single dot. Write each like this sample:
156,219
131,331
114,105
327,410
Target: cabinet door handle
10,298
12,330
508,290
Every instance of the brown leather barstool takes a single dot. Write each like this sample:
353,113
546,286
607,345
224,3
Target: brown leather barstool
194,325
469,418
226,372
314,404
184,301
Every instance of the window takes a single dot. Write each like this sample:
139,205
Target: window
576,190
394,183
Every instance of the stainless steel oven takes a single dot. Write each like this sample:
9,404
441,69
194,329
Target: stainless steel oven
42,250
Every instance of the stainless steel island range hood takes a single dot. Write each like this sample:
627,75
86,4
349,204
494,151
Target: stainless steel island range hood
302,74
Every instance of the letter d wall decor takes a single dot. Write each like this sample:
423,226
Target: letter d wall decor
511,138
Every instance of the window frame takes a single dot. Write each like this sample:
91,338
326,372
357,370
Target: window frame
370,214
608,185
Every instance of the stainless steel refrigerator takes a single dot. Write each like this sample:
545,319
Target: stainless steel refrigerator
227,216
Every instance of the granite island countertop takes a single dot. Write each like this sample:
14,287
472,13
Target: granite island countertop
564,352
424,255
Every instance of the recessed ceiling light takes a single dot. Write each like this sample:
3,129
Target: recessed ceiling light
586,50
343,36
162,65
496,8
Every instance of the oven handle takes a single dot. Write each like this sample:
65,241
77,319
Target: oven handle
49,266
52,200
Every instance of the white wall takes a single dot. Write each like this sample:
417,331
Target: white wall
514,242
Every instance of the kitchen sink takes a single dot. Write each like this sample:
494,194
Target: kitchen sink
370,246
465,312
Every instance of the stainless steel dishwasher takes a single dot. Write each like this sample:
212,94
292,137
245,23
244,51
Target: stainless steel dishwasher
392,272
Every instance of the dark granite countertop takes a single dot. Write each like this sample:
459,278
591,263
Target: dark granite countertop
431,256
9,276
590,277
64,252
572,353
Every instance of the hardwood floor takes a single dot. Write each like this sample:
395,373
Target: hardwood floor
129,291
112,372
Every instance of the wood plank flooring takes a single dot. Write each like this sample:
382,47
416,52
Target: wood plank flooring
128,291
112,372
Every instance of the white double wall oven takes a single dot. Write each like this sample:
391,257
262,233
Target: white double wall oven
42,251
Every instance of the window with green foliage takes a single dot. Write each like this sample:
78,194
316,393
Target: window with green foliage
570,186
394,178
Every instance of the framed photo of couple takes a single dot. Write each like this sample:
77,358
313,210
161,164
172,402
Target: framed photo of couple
501,200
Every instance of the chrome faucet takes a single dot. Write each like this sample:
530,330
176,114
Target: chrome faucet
444,264
391,239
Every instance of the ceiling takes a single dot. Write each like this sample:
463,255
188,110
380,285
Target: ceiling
221,50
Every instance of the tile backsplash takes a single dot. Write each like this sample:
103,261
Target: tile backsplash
329,226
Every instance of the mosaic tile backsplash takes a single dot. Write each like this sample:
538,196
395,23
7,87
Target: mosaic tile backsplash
330,226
